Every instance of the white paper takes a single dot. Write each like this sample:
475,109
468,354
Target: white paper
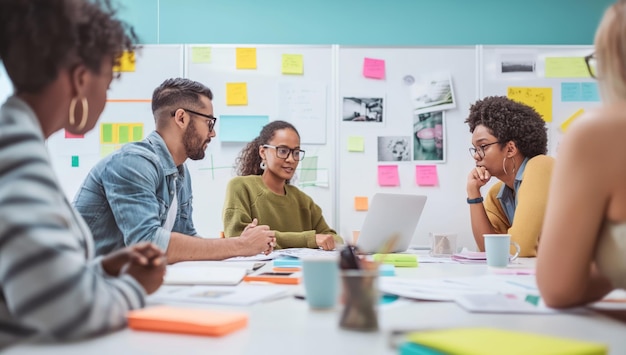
241,295
203,275
432,92
501,303
304,105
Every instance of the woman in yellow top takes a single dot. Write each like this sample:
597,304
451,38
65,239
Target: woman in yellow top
509,143
583,251
262,192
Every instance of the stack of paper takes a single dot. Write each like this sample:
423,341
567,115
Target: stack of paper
488,341
203,275
241,295
470,257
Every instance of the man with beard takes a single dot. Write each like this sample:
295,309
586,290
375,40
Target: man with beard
142,192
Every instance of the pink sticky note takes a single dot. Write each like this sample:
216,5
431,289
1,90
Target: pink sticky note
374,68
388,175
69,135
426,175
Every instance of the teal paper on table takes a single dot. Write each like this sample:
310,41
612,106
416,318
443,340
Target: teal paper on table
589,92
571,92
236,128
388,175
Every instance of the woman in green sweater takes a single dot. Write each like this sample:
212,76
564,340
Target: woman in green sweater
262,191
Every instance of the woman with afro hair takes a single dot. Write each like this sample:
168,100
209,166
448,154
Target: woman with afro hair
509,143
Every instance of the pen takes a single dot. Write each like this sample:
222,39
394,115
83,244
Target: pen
300,297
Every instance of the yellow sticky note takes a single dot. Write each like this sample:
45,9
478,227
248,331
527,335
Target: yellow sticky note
360,203
127,62
538,98
201,54
566,67
293,64
246,58
356,144
571,119
236,94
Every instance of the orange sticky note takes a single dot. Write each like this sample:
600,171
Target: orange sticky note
361,203
246,58
426,175
127,62
236,94
373,68
187,320
388,175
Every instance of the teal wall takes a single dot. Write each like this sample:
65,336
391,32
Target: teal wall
366,22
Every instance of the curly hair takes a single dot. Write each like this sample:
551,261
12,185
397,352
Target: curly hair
511,121
63,33
248,162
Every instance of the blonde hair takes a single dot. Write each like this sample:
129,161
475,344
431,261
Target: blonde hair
610,44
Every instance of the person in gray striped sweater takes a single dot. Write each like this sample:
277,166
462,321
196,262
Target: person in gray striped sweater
59,56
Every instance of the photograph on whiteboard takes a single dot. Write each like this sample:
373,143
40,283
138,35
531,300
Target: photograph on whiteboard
363,109
432,92
428,137
517,64
394,148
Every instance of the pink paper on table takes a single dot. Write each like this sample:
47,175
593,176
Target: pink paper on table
374,68
388,175
426,175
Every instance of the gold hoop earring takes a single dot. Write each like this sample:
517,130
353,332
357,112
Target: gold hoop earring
504,165
83,120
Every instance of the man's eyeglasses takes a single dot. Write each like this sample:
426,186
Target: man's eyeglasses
480,150
211,119
592,65
283,152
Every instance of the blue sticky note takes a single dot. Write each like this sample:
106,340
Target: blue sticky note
237,128
287,262
590,92
570,92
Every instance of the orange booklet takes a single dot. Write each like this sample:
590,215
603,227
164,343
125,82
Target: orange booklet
187,320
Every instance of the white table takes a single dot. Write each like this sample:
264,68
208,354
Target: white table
287,326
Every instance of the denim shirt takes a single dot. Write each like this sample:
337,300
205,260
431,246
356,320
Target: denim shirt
126,196
508,197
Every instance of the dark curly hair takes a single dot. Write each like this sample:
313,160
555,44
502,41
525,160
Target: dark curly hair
511,121
63,34
249,161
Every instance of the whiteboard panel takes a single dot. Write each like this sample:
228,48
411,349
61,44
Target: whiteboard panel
304,100
446,209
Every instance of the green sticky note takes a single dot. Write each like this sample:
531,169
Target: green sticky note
293,64
137,133
201,54
356,144
566,67
123,134
74,161
308,171
106,149
107,133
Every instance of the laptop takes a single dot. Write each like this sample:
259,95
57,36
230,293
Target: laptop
388,215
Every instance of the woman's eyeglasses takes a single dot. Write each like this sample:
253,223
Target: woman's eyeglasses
592,65
283,152
480,150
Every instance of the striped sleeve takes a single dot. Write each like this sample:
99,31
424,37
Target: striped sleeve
50,286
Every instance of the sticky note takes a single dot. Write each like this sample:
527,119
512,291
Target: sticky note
589,92
566,67
308,170
388,175
246,58
571,92
137,132
373,68
238,128
356,144
293,64
236,94
361,203
123,134
74,161
106,133
201,54
426,175
107,149
126,62
538,98
571,119
69,135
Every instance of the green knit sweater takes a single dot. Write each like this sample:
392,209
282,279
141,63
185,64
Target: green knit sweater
294,216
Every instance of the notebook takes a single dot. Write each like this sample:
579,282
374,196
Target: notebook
187,320
203,275
488,341
389,215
